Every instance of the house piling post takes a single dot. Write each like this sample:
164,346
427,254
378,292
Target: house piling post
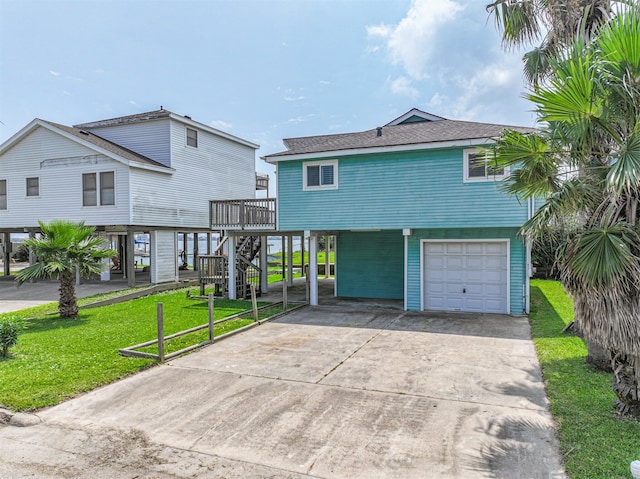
313,270
130,259
195,251
6,252
290,260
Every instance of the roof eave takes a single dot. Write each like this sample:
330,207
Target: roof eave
38,122
213,131
468,142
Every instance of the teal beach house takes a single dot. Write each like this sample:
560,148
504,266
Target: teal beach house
416,212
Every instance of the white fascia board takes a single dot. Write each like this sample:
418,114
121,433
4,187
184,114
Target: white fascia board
381,149
23,132
415,112
213,131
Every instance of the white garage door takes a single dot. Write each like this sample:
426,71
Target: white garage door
466,276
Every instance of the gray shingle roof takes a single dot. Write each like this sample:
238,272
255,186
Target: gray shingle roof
106,144
123,120
396,135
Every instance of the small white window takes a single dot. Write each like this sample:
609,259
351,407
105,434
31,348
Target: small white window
192,137
480,167
33,186
3,194
320,175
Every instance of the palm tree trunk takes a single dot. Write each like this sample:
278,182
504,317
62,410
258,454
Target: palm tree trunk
68,305
598,357
625,385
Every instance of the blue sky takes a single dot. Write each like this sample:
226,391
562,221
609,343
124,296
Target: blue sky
259,69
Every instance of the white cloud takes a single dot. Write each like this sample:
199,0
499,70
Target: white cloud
55,73
479,95
301,119
403,86
133,102
412,41
221,125
293,95
381,30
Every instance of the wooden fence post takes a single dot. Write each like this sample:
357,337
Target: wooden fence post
285,289
211,335
254,303
160,316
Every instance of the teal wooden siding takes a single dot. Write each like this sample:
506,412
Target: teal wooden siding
370,265
517,260
418,189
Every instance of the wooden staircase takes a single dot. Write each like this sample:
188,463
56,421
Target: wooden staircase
214,269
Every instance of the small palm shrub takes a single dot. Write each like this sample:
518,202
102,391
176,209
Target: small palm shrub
545,247
10,329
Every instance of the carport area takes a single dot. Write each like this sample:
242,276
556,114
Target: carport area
325,392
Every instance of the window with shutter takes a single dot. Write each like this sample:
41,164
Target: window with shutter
320,175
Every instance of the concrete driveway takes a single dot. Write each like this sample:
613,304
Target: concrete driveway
325,392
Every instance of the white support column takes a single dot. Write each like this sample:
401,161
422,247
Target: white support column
264,264
313,270
327,254
232,267
290,260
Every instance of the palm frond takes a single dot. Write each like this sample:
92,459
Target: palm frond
604,258
518,20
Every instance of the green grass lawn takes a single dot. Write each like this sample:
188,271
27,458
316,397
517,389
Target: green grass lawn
595,442
297,256
58,358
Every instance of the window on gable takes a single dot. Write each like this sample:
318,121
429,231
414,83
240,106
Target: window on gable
320,175
33,186
98,188
192,137
3,194
479,167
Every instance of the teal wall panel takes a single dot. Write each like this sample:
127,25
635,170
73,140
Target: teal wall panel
370,264
417,189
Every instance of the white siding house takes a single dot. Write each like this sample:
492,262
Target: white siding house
147,173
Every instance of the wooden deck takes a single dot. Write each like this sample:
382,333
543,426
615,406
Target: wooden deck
249,214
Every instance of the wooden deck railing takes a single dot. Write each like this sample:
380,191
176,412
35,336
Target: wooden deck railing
243,214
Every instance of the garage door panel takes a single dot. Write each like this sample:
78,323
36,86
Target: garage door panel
495,248
454,248
466,276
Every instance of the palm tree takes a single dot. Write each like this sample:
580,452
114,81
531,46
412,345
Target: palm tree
64,250
554,23
585,160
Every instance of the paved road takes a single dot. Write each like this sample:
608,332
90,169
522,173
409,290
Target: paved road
325,392
13,298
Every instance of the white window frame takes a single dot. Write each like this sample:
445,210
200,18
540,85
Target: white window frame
333,186
482,179
98,189
187,129
26,184
6,194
